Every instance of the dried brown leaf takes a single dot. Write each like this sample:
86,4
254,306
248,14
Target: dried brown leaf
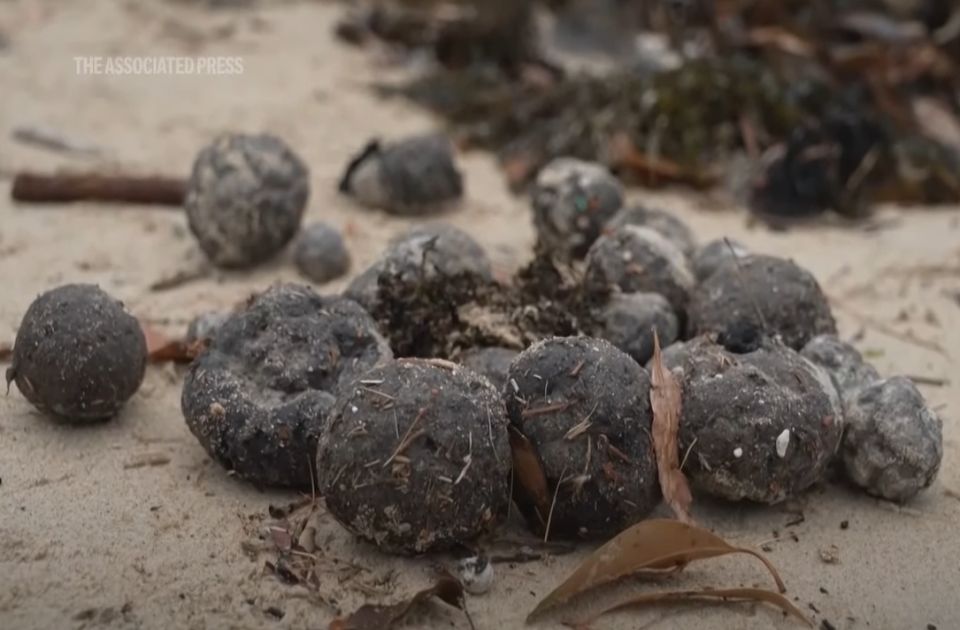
162,349
530,478
652,546
666,401
724,595
384,616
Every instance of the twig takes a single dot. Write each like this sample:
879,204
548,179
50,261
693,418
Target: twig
932,381
553,504
539,411
408,437
62,188
180,278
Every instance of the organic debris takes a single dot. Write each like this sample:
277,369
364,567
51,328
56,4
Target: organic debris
385,616
162,349
120,189
654,549
666,399
835,105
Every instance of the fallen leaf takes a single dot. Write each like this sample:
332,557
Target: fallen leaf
652,547
384,616
162,349
724,595
666,401
530,478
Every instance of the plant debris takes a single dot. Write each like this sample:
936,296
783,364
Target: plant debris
829,113
666,400
656,548
121,189
385,616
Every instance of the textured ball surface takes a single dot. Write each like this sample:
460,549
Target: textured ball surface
893,444
259,397
639,260
761,426
78,354
627,320
416,456
320,253
585,408
245,198
572,201
761,296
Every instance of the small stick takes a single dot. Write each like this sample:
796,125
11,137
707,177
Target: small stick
932,381
553,504
539,411
408,437
64,187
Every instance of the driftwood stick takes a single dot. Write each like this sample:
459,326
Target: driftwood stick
64,188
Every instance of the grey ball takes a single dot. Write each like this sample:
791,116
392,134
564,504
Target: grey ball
259,397
637,259
715,254
761,296
494,363
434,249
627,320
412,176
667,224
320,253
761,426
893,443
843,362
206,325
585,408
78,354
245,198
572,201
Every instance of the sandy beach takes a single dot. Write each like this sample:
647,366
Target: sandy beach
130,525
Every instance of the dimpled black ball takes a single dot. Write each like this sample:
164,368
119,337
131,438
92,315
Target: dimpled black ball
246,198
259,397
78,355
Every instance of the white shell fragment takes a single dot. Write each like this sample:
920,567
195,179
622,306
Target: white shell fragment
783,441
476,574
738,452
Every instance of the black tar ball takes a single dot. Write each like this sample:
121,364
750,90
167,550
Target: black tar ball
320,253
494,363
585,407
413,176
246,198
757,297
416,456
639,259
259,397
761,426
572,201
628,320
78,354
667,224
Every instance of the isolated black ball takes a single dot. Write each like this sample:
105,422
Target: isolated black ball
416,456
585,408
259,397
78,355
246,198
